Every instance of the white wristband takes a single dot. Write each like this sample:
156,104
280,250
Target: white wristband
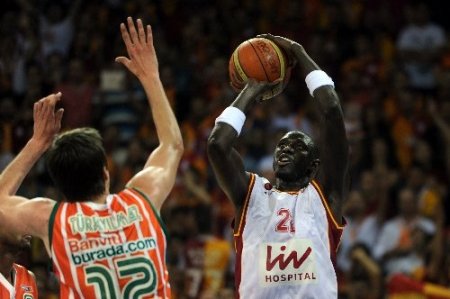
232,116
316,79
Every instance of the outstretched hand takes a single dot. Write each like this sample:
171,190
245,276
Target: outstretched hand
47,121
142,59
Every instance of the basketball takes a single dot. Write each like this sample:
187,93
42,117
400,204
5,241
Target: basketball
262,60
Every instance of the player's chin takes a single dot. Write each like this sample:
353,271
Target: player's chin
285,173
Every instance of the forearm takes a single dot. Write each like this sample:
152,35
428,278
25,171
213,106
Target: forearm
165,121
306,63
229,124
245,99
17,170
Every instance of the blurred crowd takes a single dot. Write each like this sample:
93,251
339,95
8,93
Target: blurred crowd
390,60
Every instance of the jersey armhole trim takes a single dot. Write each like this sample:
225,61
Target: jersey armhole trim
327,207
155,212
245,206
51,223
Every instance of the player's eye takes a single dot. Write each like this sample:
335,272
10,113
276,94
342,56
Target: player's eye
298,146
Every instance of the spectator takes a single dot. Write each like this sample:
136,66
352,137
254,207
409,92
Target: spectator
56,28
396,239
354,210
78,93
420,43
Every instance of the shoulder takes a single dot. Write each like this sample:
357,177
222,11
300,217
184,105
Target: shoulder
317,187
257,182
43,205
257,178
133,194
22,270
18,267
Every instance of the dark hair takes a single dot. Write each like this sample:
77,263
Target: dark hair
75,163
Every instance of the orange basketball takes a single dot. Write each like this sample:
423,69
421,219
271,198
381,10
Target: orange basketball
262,60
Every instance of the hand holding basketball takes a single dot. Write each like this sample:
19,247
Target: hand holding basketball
258,89
262,60
287,45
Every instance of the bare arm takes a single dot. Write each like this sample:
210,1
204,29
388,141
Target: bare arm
197,189
226,162
158,176
19,214
358,255
333,144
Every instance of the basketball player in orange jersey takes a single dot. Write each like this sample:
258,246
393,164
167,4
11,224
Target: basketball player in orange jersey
102,245
286,235
15,280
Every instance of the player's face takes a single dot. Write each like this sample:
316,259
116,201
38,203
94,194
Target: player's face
292,156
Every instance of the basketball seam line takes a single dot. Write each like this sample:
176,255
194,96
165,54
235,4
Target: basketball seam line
260,61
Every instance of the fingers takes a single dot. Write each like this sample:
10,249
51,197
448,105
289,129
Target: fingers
269,37
132,30
133,37
265,35
58,117
141,31
149,35
276,82
47,104
123,60
126,37
37,109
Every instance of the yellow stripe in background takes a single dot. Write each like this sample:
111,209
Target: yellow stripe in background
436,290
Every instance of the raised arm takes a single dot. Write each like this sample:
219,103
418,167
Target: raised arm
158,176
332,143
20,215
225,160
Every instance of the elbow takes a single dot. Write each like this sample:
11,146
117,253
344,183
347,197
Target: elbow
214,147
330,105
178,147
333,109
332,114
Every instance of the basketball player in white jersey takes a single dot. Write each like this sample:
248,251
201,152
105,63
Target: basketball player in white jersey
286,235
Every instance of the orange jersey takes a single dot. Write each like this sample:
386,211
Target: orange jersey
23,287
111,250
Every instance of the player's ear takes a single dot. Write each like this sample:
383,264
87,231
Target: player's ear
105,173
313,169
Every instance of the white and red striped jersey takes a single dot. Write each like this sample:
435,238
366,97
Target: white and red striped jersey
286,244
